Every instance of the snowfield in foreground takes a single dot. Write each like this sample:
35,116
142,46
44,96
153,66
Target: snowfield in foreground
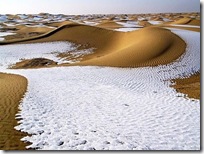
111,108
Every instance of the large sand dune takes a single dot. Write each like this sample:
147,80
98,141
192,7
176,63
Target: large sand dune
147,47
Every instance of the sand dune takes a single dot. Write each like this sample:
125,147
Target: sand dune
145,50
12,90
188,21
144,23
194,22
182,21
34,29
26,32
149,46
58,24
157,19
110,25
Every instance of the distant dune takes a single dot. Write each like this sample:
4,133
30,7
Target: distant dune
186,21
109,24
58,24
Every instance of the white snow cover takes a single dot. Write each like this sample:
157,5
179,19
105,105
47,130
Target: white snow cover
192,26
91,23
154,22
110,108
166,19
9,24
126,29
127,25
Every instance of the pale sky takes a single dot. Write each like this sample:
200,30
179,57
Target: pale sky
97,6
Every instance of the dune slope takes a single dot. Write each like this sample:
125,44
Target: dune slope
12,90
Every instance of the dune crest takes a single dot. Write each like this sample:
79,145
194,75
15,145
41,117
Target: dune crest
58,24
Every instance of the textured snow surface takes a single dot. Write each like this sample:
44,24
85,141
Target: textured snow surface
111,108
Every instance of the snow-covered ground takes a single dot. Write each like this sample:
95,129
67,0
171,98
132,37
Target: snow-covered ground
109,108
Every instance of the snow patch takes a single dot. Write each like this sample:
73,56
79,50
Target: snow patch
191,26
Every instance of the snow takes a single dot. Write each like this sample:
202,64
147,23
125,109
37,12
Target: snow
5,34
90,23
9,24
192,26
127,25
40,25
126,29
23,16
154,22
104,108
167,20
3,18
